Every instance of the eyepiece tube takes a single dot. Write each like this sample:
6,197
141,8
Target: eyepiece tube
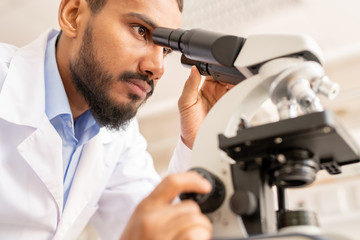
201,45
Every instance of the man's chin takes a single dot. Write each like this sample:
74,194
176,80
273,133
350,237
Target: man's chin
115,117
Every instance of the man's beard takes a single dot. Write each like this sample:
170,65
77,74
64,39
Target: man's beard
94,84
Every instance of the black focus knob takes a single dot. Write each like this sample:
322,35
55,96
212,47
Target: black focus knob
211,201
243,203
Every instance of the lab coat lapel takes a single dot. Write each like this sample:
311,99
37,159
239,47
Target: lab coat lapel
89,174
42,150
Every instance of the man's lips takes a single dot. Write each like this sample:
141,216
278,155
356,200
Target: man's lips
141,84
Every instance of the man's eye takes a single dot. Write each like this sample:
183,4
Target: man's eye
167,51
142,31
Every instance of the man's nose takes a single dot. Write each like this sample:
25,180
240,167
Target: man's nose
152,64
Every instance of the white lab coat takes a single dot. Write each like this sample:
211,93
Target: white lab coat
114,173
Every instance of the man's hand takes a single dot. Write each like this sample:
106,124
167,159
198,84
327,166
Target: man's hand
194,104
157,218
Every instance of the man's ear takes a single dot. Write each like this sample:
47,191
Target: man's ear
70,15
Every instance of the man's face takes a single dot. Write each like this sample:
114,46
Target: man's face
118,65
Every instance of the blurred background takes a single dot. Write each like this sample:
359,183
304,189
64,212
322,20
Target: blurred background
333,24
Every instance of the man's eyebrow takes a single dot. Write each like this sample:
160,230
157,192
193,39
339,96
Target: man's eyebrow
144,18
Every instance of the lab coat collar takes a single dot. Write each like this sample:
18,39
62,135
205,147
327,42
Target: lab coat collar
22,98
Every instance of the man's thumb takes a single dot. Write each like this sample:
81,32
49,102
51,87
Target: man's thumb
191,88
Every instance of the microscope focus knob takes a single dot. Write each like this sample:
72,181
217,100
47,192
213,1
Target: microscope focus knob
211,201
243,203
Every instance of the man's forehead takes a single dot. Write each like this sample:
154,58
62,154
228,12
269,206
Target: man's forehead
156,3
165,13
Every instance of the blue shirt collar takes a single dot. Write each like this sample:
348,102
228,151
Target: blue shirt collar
56,102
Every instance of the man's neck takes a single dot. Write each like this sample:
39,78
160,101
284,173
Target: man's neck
77,102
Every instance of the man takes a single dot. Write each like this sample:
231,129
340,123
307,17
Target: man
70,149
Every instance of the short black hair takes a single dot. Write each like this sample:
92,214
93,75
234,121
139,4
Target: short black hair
97,5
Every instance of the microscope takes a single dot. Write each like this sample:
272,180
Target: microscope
250,167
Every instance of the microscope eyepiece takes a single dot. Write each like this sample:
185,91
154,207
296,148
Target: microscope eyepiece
161,36
168,37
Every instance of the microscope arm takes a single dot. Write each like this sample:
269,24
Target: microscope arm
250,95
224,118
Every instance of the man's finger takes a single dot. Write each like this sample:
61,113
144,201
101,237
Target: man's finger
190,92
192,226
198,233
188,220
194,80
175,184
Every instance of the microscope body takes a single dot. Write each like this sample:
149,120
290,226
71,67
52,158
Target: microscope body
245,164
